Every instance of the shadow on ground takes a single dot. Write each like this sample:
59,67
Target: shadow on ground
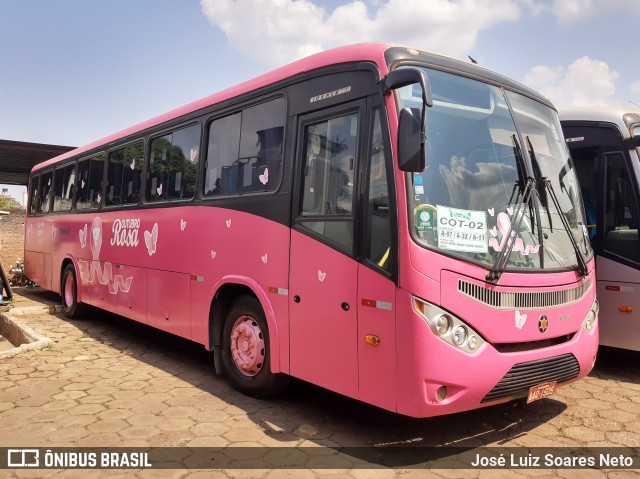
307,415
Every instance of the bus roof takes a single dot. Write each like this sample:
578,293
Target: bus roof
379,54
619,116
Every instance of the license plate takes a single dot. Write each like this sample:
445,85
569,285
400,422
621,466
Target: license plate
541,391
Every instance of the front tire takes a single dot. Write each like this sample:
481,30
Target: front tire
246,354
69,292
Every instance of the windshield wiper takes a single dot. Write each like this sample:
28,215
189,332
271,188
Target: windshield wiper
503,256
582,264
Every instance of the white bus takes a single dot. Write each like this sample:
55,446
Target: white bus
605,147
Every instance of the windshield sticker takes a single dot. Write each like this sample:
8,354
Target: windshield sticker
425,219
504,227
419,189
462,230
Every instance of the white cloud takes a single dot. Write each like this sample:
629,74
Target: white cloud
585,82
574,10
279,31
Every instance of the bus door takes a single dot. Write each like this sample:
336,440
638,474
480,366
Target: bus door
609,184
323,282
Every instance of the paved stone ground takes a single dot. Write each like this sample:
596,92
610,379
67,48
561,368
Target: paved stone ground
107,381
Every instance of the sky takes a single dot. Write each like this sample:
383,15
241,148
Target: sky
73,71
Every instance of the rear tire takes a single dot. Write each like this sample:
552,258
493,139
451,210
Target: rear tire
246,355
69,292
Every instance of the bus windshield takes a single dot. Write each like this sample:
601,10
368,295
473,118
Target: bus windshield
496,166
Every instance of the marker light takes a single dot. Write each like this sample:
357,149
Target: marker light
473,343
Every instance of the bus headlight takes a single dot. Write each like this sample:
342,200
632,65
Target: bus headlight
459,335
447,327
443,324
592,317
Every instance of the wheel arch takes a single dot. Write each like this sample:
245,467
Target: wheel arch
224,293
66,261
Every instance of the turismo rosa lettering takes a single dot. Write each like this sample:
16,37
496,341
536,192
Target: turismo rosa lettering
125,232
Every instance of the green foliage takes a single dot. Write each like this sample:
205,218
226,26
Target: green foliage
8,202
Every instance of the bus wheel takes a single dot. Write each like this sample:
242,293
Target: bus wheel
245,350
72,309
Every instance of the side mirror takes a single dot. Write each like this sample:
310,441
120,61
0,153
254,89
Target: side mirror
408,76
411,123
410,141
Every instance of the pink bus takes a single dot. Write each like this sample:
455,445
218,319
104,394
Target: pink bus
393,225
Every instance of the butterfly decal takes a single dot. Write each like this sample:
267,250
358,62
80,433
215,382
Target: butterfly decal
151,239
133,164
183,224
491,211
321,276
265,258
83,236
159,190
228,222
520,319
264,177
213,254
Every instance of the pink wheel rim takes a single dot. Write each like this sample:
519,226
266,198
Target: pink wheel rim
68,291
247,346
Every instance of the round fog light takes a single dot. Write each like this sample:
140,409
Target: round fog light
459,335
443,323
441,394
473,343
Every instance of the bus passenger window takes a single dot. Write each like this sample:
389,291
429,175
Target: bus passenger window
64,186
33,195
173,165
46,190
621,212
244,153
89,182
124,175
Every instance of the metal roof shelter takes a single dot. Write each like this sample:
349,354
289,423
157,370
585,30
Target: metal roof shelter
17,158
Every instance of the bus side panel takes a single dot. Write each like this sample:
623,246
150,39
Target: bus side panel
618,294
377,367
34,266
168,306
132,299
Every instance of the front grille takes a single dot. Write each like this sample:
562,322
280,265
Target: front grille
521,377
524,300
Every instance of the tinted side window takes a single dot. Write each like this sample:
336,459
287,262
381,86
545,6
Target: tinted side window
244,154
45,191
124,175
621,211
64,186
173,165
33,195
89,183
331,150
378,207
